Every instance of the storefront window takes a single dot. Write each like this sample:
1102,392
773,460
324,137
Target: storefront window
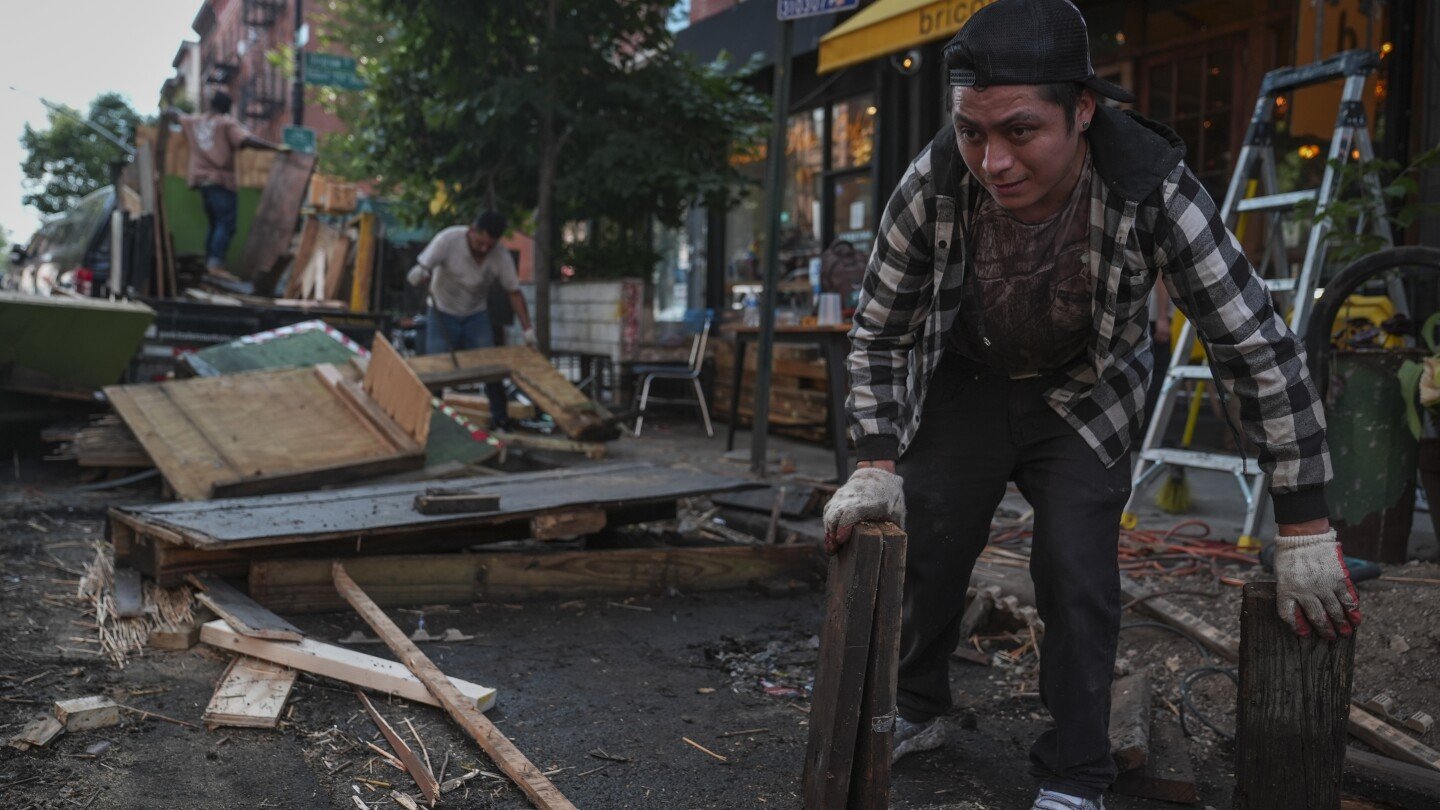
804,163
852,133
854,221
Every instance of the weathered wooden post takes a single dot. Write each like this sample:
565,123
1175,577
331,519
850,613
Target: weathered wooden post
1291,711
852,714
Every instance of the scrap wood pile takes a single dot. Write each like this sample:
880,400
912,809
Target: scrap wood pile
798,390
1159,702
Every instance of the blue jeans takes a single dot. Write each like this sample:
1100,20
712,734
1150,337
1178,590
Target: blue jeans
222,209
452,333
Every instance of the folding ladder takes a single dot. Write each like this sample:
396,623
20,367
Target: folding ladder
1350,142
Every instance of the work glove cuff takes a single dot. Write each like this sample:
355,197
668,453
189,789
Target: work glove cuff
1304,540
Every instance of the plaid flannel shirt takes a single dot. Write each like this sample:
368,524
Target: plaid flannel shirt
1147,221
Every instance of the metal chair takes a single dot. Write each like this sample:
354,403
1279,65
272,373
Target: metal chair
674,371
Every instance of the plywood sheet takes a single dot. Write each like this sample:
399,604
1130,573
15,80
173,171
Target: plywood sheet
275,216
264,431
390,508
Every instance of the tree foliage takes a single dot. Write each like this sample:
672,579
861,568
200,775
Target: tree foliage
68,160
503,102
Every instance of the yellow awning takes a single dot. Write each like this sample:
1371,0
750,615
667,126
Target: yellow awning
889,26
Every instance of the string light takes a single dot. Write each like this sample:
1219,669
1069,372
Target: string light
1309,151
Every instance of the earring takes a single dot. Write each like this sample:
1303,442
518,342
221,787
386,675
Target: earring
1084,124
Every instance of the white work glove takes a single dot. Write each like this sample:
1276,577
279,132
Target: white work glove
530,339
870,494
1314,589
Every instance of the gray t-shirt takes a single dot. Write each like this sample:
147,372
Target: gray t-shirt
459,284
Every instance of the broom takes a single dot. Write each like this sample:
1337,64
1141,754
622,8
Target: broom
1174,494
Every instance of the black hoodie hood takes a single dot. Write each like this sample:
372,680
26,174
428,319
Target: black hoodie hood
1132,154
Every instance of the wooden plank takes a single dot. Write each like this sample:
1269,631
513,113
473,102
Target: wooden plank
128,596
373,511
364,264
309,237
274,224
870,779
1391,741
1130,720
580,417
1167,774
341,664
251,694
375,418
181,638
335,268
1292,689
450,500
567,523
541,792
87,713
424,779
1183,620
241,612
840,672
304,586
397,390
1375,770
591,450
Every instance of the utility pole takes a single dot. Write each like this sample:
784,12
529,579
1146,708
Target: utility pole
774,200
297,88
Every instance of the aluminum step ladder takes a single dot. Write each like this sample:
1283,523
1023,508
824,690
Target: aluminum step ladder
1256,168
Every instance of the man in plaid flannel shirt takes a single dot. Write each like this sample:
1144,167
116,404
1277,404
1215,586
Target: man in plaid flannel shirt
1002,336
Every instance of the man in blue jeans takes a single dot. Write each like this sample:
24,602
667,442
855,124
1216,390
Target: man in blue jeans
461,265
214,138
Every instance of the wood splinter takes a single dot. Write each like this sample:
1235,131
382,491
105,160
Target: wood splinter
419,771
534,784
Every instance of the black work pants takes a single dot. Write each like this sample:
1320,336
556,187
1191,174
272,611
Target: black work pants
979,431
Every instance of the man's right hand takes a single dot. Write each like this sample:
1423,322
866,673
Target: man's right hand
873,492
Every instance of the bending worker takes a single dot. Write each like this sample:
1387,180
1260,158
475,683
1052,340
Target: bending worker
461,264
1002,335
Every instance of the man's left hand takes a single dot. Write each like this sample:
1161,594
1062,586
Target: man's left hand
1314,592
530,339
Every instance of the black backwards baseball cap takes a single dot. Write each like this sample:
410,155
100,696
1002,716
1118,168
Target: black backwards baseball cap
1026,42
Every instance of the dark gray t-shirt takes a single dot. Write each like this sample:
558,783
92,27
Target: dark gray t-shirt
1027,292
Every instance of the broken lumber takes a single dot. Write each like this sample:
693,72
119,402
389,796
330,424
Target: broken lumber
424,779
348,666
37,733
1390,741
1167,774
1295,690
397,390
86,713
241,612
251,694
846,677
1130,720
1181,619
534,784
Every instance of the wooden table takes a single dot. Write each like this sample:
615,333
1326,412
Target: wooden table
834,344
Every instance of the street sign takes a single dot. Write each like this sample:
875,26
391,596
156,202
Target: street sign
301,139
795,9
329,70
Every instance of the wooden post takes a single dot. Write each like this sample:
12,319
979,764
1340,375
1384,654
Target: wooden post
852,716
1291,713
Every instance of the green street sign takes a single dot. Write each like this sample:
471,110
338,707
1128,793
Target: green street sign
301,139
329,70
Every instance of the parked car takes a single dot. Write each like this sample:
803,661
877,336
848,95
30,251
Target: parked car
71,250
